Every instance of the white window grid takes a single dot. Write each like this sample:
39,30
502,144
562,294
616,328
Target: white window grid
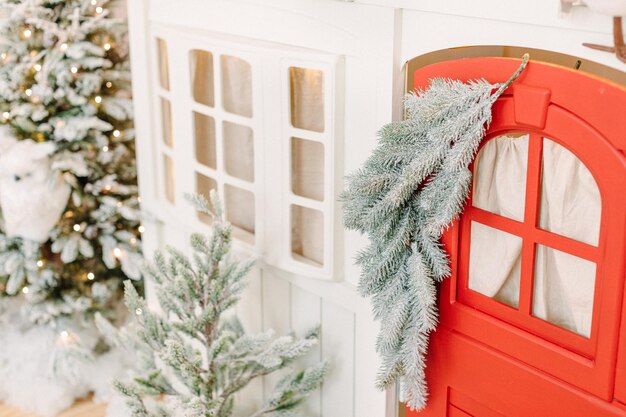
269,63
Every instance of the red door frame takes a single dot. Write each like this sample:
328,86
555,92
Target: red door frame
586,115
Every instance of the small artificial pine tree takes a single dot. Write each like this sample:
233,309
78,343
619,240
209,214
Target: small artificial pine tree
192,356
64,81
408,192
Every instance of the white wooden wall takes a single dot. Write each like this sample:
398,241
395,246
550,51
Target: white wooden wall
433,25
284,294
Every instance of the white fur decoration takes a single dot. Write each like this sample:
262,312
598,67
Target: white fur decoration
610,7
44,370
7,139
32,197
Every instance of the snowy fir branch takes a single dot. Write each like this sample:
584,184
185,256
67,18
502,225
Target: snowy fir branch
67,158
193,357
412,187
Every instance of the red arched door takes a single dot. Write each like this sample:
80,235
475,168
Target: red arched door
530,319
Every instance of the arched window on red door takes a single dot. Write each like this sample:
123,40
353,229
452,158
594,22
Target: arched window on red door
529,237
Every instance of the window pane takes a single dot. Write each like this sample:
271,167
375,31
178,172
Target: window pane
201,67
168,178
240,212
307,235
500,176
166,122
307,168
570,200
239,151
204,185
204,130
162,62
236,85
564,289
307,98
495,264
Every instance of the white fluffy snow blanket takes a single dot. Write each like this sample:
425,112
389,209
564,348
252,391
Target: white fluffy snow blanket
45,368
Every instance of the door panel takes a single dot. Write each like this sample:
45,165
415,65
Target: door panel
497,386
502,355
576,359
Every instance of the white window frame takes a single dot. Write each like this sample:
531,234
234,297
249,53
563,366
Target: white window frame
272,129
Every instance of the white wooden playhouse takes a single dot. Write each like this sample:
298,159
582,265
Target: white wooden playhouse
273,102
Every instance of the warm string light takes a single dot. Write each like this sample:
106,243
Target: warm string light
109,84
91,276
94,2
117,252
116,133
119,204
37,67
133,241
27,33
6,115
66,337
28,92
98,99
4,56
63,47
99,10
40,263
105,149
76,227
107,46
138,311
25,290
141,229
74,70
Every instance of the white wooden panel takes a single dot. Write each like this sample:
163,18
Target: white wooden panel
142,97
276,316
250,312
338,348
530,12
306,314
366,397
249,308
427,31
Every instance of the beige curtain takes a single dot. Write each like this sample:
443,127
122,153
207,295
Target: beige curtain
307,98
570,206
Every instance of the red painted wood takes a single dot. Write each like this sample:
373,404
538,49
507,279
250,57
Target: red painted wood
463,402
457,412
531,105
487,358
575,91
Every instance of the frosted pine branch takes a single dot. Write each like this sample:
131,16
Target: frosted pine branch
408,192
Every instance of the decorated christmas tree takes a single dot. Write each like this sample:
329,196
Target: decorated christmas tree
194,356
70,231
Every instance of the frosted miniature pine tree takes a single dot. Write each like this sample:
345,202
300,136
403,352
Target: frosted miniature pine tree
64,83
193,357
